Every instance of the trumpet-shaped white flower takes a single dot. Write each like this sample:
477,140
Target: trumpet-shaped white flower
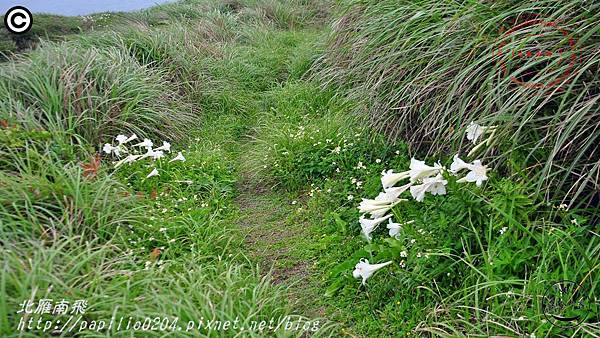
394,228
435,185
368,225
474,132
458,165
419,170
146,144
376,208
438,185
131,138
179,157
156,154
129,159
165,147
108,148
390,178
393,193
121,139
154,172
478,173
364,270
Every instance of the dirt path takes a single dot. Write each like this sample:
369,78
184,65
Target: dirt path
275,237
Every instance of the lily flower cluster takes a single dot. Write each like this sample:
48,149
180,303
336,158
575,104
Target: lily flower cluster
422,179
136,153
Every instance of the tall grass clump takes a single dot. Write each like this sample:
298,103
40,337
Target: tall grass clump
423,70
43,197
88,94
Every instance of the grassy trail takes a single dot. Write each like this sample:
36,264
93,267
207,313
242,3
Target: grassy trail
275,237
278,235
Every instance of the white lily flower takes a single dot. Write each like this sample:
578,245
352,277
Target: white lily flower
478,173
146,144
154,172
390,178
458,165
368,225
156,154
129,159
131,138
393,193
179,157
121,139
419,170
376,208
435,185
149,153
396,227
108,148
165,147
474,132
364,270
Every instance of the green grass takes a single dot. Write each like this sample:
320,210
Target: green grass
479,260
69,237
422,70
